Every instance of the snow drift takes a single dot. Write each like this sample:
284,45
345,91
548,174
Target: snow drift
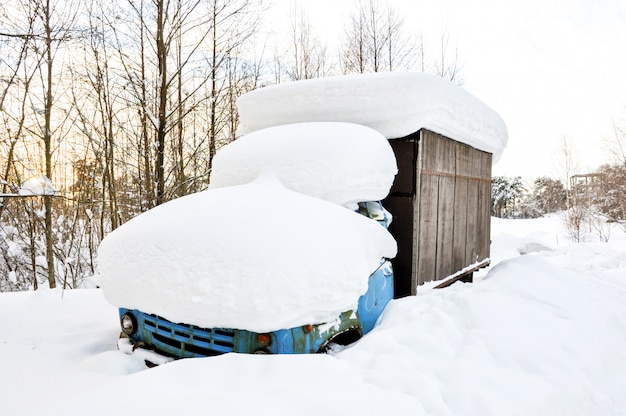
396,104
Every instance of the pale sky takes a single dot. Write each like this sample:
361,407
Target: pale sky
552,69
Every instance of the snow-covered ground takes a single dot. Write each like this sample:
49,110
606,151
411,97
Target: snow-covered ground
542,333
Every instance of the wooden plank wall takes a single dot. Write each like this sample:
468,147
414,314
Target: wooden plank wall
452,207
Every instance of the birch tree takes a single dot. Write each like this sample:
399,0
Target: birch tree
448,64
175,56
375,40
46,27
15,81
55,20
233,23
306,55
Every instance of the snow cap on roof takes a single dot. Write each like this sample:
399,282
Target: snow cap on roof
342,163
395,104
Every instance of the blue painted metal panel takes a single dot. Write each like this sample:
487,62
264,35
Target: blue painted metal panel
185,341
378,295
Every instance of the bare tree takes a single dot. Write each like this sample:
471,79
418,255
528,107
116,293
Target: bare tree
16,78
356,51
448,64
125,112
243,75
232,24
576,217
610,196
617,146
308,55
568,165
375,40
18,271
175,57
10,141
96,101
45,26
403,52
56,20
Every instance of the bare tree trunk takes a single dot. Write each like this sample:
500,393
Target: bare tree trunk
376,42
162,105
180,186
47,138
569,166
145,131
357,46
308,56
448,65
365,39
32,246
213,99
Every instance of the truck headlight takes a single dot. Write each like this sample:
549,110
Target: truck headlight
128,324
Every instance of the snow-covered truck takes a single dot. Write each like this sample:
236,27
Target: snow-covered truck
289,249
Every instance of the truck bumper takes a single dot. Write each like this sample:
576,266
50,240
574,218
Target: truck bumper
149,357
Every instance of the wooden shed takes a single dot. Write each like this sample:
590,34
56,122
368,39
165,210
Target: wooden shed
440,202
444,140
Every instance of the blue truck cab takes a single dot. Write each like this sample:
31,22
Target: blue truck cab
149,332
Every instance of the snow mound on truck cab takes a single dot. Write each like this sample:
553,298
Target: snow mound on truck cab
256,256
339,162
396,104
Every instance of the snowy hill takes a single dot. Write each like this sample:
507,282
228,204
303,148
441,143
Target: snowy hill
540,334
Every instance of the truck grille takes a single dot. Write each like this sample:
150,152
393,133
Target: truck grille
183,340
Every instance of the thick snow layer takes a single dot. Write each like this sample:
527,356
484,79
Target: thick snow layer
255,256
542,334
39,186
396,104
338,162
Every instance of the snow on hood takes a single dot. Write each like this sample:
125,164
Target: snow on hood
396,104
339,162
256,256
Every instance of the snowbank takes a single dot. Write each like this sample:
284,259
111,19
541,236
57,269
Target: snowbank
256,256
396,104
544,335
338,162
530,339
